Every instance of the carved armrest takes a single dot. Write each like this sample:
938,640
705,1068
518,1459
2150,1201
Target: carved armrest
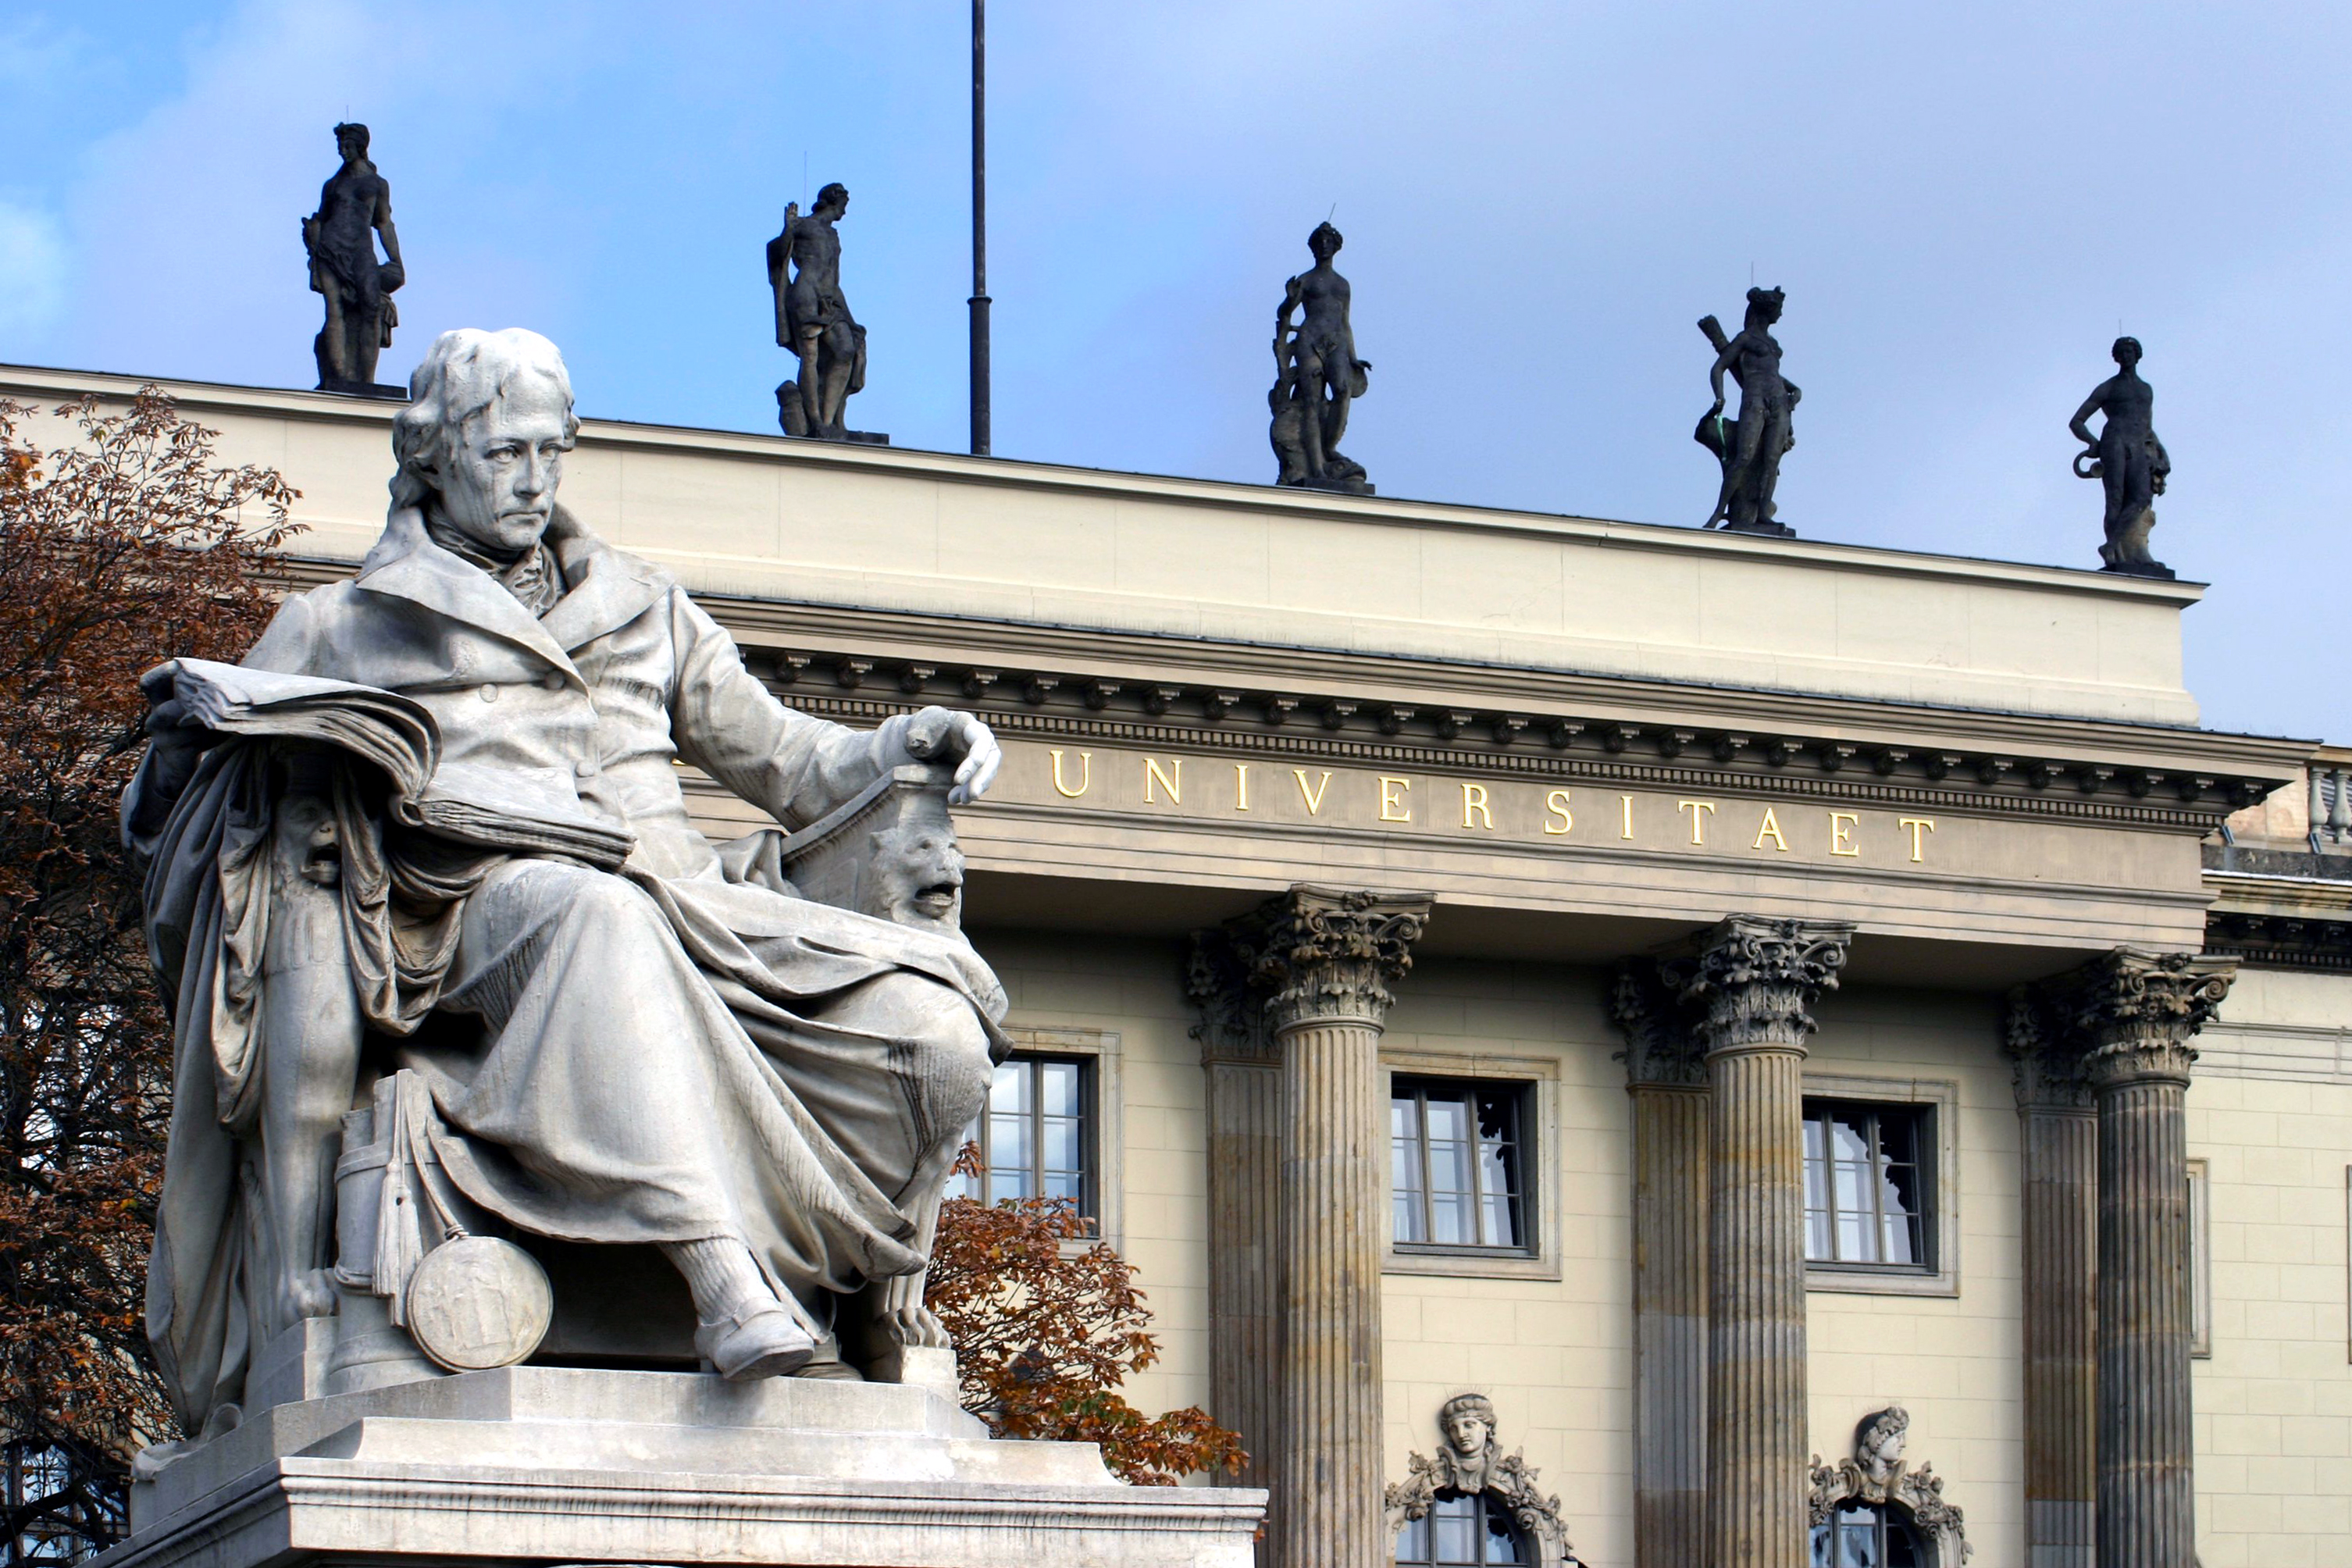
889,851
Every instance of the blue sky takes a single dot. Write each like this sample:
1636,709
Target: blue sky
1539,200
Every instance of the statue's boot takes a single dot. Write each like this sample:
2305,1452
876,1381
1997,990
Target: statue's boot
766,1341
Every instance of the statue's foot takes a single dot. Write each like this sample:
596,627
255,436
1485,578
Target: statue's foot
313,1291
764,1342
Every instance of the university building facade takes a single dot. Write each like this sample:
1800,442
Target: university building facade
1701,993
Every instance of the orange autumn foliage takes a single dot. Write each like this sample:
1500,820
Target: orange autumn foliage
1045,1335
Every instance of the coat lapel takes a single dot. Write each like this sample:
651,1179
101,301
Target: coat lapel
607,589
406,563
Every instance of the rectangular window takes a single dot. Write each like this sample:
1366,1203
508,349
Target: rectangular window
1036,1136
1866,1184
1456,1152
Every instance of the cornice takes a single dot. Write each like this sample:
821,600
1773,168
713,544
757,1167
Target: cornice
1049,707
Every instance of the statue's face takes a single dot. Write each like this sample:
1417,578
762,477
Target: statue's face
497,480
918,877
1468,1431
351,146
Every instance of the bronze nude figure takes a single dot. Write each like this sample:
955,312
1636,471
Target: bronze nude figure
354,210
1317,375
813,320
1750,448
2127,458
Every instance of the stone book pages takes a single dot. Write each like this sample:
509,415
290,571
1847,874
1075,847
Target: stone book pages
509,810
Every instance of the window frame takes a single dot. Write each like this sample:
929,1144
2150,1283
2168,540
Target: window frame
1936,1102
1100,1089
2200,1260
1886,1515
1537,1081
1527,1552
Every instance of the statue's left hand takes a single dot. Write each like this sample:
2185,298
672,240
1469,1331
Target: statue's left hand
947,736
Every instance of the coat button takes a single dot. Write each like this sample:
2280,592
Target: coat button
489,692
585,767
553,680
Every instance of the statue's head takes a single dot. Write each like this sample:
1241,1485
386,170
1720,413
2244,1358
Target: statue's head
1325,242
1764,305
351,139
1878,1442
1467,1420
481,442
917,872
2125,351
832,199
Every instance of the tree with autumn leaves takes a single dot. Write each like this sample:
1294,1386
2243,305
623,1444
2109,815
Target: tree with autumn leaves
1048,1326
127,543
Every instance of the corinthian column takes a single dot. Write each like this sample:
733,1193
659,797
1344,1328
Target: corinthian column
1750,992
1666,1081
2135,1013
2060,1194
1245,1172
1325,960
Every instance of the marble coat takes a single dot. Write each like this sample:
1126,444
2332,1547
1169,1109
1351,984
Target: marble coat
630,1058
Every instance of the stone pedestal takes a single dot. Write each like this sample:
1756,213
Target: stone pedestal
1324,959
533,1465
1666,1082
1752,990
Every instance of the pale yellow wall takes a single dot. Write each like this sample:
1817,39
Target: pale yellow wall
1556,1356
1058,981
2271,1113
1953,1361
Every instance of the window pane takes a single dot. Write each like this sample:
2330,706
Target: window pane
1009,1090
1449,1121
1404,1117
1455,1530
1004,1183
1849,1138
1068,1184
1008,1143
1412,1541
1816,1237
1455,1173
1502,1543
1452,1219
1063,1143
1858,1242
1501,1219
1059,1084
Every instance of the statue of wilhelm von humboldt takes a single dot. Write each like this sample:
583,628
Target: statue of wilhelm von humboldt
423,893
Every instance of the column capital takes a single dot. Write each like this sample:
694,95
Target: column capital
2128,1016
1231,1016
1754,980
1660,1051
2045,1066
1328,954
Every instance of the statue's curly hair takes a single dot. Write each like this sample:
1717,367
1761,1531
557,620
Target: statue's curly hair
463,373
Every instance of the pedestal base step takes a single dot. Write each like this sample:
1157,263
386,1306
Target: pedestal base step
550,1463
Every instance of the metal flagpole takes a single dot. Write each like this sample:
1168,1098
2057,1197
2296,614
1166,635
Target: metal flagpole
979,301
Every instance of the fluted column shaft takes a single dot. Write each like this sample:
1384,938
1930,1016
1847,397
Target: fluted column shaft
1244,1152
1753,986
1334,1212
2061,1187
2147,1498
1324,960
1665,1084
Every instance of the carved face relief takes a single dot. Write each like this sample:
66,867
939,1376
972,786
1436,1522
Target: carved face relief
918,877
1468,1431
498,482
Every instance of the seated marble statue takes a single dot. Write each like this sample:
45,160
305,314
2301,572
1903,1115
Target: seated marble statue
669,1049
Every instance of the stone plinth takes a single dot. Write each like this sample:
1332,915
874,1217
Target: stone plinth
544,1464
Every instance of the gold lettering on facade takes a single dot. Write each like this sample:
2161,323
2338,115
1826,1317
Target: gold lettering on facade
1625,817
1555,805
1393,806
1313,798
1700,810
1240,786
1085,775
1473,798
1919,825
1770,829
1174,786
1842,826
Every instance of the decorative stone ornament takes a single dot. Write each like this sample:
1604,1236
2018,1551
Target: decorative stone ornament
477,1302
1325,955
1877,1475
1471,1462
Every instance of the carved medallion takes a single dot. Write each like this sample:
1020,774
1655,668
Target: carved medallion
477,1302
